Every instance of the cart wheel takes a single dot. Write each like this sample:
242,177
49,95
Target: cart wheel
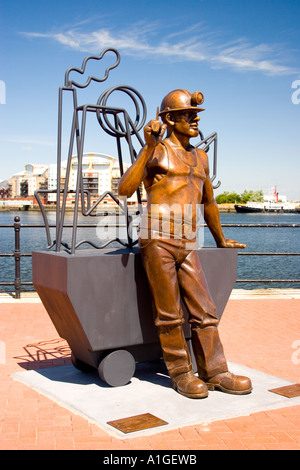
117,368
80,365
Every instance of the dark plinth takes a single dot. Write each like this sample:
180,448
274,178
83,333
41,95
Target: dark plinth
99,301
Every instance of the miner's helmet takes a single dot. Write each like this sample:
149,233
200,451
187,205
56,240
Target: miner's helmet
181,100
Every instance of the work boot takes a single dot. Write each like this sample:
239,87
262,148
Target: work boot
188,385
212,365
178,362
229,383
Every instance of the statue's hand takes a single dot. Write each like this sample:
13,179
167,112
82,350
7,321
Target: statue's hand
153,132
233,244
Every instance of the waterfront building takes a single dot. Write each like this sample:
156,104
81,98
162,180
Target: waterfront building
26,182
4,190
97,169
100,173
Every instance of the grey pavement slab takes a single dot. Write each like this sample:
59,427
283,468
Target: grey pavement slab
149,391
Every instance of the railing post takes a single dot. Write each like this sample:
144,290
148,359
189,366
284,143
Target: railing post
17,255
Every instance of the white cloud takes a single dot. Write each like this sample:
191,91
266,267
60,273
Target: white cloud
26,147
27,143
209,47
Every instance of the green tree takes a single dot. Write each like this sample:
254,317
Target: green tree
252,196
257,196
228,198
246,196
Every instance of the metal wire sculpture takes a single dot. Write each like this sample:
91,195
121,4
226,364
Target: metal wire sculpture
122,127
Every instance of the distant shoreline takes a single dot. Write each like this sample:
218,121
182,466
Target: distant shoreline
222,208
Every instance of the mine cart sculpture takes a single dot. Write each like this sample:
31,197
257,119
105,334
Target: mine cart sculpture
100,298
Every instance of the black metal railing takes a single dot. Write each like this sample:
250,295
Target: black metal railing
263,253
17,283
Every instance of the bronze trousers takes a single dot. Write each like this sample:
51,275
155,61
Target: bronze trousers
175,275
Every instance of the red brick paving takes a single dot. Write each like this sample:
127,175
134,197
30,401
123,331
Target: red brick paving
259,333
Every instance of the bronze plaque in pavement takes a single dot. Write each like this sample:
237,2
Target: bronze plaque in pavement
289,391
137,423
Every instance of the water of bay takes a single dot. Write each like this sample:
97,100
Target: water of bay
281,238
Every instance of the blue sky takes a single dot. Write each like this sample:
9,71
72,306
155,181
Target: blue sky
244,56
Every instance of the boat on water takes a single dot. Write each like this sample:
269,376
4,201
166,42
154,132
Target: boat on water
274,207
273,202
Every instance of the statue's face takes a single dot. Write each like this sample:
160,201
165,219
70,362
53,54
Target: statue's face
186,123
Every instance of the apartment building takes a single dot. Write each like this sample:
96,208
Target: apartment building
100,173
26,182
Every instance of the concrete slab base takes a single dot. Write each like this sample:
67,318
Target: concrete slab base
149,391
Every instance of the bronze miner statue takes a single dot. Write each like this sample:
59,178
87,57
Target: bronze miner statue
177,182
